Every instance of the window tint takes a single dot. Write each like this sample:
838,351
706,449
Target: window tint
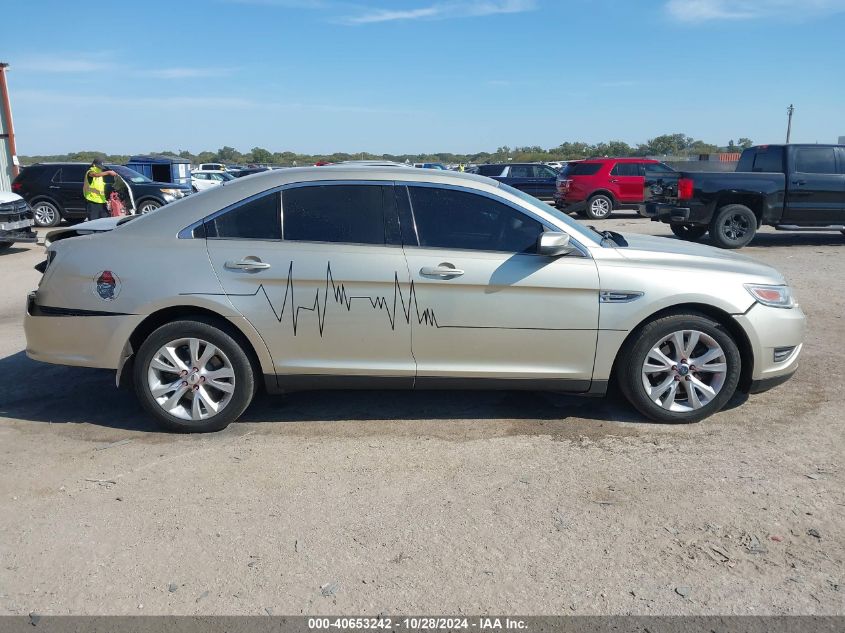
657,168
625,169
351,214
258,219
490,170
816,160
521,171
582,169
761,159
74,173
446,218
541,171
57,176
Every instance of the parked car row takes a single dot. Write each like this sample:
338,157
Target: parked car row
54,191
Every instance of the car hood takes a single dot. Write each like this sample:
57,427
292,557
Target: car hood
666,252
8,196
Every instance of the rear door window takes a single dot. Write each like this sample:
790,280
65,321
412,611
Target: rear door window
490,170
521,171
626,169
815,160
348,214
73,173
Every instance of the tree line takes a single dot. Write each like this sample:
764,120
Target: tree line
679,145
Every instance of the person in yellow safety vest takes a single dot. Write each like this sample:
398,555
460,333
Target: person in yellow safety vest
461,167
94,190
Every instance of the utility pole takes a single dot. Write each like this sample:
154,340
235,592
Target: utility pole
7,128
789,112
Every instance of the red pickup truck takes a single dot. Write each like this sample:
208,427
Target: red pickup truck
596,186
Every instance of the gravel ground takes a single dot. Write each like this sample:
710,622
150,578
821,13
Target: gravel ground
385,502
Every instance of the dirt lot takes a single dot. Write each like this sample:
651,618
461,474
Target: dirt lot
367,503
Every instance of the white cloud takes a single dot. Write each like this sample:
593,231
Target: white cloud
442,11
185,72
704,10
58,63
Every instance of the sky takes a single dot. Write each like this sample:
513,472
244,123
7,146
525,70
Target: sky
418,76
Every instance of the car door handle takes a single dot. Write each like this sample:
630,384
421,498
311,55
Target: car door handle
247,263
54,187
613,180
442,270
799,182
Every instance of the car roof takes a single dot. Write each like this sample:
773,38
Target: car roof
626,159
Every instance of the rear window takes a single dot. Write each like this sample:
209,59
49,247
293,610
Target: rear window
580,169
490,170
765,159
626,169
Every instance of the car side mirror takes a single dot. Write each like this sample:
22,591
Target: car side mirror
554,244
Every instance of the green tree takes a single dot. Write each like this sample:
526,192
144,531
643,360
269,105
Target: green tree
261,155
745,143
228,154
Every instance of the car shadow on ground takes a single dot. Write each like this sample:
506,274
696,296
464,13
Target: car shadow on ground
56,394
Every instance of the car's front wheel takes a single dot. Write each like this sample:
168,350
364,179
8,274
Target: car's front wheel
193,376
688,232
679,368
148,205
46,214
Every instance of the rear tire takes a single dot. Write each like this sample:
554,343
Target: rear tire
193,376
733,226
688,232
660,378
46,214
599,207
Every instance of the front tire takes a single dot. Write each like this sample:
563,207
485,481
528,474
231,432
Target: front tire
599,207
46,214
733,226
688,232
193,376
148,206
679,368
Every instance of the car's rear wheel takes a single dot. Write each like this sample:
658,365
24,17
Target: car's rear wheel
688,232
46,214
733,226
599,207
679,368
193,376
148,206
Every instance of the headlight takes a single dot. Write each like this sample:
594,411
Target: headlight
173,193
773,296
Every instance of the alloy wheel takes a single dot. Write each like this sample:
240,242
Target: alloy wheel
45,215
735,227
191,379
600,207
684,371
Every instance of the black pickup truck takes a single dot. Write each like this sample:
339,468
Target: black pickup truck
791,187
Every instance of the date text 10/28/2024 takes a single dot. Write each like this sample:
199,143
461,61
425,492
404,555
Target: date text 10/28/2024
418,623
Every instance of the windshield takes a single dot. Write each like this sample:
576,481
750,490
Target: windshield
556,213
129,174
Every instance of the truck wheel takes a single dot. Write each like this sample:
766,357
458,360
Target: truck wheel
46,214
688,232
733,227
599,207
193,376
679,368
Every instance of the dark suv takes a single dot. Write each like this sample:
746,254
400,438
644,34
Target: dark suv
533,178
54,191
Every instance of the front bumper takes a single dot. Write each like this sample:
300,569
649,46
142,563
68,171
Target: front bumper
76,337
18,230
770,329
